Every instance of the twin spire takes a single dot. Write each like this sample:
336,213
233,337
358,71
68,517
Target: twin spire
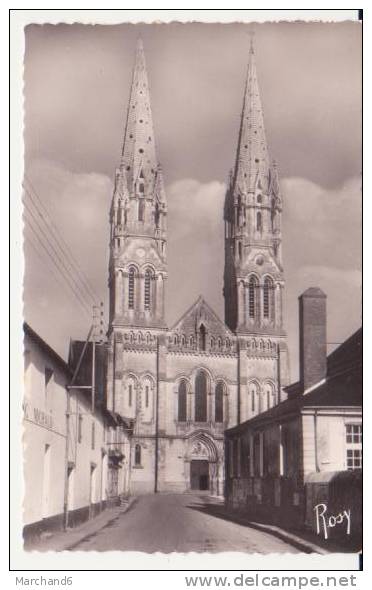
139,159
252,160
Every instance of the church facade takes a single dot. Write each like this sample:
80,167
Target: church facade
184,385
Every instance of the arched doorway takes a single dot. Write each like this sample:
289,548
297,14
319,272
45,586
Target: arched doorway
202,458
199,474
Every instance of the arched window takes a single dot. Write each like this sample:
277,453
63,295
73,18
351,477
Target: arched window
130,395
219,402
267,291
202,337
182,399
240,249
254,393
141,209
148,289
131,277
137,455
147,396
252,297
259,221
201,397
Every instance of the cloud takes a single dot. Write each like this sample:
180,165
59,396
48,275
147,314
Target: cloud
195,244
321,247
79,205
325,225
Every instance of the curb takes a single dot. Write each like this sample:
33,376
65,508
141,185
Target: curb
122,510
298,542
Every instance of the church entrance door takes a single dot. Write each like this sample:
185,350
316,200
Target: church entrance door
199,475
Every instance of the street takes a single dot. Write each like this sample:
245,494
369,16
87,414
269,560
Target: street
180,523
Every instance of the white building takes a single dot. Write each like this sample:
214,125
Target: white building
67,478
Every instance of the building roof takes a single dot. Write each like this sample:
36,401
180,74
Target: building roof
47,350
341,389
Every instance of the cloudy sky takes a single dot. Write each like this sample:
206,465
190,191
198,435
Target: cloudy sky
77,82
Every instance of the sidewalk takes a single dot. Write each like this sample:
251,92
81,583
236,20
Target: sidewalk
67,540
305,541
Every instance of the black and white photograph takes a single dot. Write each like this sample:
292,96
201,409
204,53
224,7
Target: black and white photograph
192,291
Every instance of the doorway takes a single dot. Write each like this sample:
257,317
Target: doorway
199,475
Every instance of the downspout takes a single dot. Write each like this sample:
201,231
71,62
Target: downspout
65,494
157,418
238,365
316,440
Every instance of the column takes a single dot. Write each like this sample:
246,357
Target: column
191,406
241,314
117,292
281,451
251,457
140,293
125,292
261,454
211,399
159,296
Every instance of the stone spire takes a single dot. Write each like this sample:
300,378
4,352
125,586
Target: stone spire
252,161
138,154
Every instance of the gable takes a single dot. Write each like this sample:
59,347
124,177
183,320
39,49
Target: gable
201,314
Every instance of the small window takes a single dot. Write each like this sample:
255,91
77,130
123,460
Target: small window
354,433
219,402
259,221
182,401
354,447
354,459
202,337
80,428
137,455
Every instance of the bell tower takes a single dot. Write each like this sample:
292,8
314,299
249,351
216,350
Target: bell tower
137,276
253,276
253,279
137,270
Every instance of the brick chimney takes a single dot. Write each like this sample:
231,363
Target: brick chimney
313,339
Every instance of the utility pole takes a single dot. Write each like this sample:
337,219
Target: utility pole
94,336
157,418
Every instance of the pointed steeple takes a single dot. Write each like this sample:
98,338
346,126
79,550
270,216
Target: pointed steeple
138,154
252,160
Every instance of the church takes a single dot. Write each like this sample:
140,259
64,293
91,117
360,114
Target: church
182,386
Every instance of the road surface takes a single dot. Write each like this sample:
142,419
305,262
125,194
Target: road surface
181,523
